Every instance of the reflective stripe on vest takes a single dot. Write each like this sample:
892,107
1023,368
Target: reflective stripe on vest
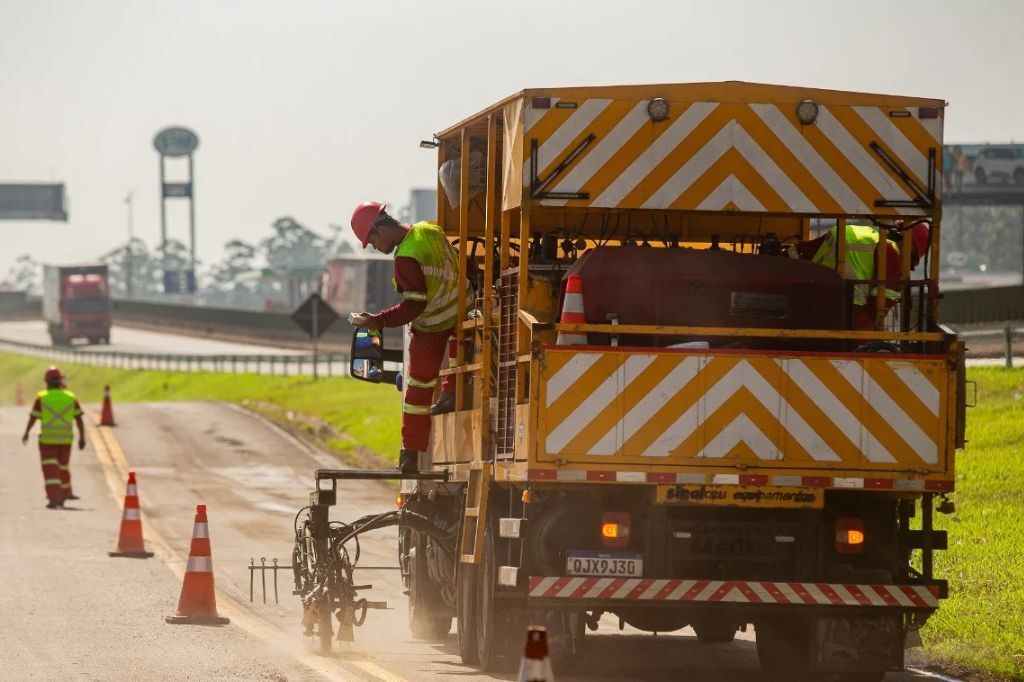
57,414
861,242
427,245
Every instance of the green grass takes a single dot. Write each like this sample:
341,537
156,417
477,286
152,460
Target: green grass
364,414
981,626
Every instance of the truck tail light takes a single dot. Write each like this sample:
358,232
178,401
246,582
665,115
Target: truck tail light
615,529
849,535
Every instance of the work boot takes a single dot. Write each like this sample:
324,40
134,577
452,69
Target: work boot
445,403
409,461
74,497
54,505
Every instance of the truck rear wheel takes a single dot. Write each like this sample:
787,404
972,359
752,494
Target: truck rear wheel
424,597
467,613
495,634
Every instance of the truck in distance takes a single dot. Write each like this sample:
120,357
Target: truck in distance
76,302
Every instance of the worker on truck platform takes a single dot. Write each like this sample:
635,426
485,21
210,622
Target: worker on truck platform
54,408
427,276
861,243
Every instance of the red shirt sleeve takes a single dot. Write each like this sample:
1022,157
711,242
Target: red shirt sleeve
412,285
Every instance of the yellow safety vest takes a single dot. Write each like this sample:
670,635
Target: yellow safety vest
861,242
56,416
426,244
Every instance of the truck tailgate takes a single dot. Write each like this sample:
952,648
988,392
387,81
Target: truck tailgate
837,412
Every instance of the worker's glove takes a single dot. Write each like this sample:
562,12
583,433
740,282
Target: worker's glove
81,443
24,439
362,320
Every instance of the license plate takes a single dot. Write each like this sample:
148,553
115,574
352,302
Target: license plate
604,564
741,496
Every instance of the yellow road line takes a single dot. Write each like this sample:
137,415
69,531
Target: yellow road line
115,469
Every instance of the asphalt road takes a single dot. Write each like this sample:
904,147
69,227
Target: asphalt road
72,612
130,340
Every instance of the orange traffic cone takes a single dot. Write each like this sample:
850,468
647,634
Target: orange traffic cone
129,542
107,416
19,395
572,312
536,663
198,603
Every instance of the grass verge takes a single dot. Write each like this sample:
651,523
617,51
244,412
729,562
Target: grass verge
357,414
980,628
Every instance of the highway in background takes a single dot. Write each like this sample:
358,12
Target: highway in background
81,614
129,340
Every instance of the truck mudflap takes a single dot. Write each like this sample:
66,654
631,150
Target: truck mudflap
654,591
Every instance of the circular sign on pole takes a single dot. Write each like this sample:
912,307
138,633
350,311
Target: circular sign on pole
176,141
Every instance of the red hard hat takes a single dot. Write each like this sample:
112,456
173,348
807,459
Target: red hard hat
363,217
53,374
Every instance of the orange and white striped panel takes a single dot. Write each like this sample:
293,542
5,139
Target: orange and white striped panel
672,407
715,156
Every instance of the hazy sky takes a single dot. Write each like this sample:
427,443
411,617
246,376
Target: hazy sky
306,108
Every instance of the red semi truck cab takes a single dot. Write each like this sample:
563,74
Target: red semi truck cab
76,302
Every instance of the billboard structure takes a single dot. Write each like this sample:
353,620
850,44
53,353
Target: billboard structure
33,202
983,215
175,142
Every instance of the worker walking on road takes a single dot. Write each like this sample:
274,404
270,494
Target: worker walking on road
55,408
426,275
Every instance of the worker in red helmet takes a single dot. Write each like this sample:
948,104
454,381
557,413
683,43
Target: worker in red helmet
55,408
861,244
427,277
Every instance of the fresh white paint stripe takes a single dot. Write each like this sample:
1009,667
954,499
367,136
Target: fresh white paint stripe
873,450
568,374
676,132
694,168
770,172
861,158
888,133
201,530
732,190
810,158
918,384
601,153
666,390
534,115
584,413
553,148
739,429
199,564
131,514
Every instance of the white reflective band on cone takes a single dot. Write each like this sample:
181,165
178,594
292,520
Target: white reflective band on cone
199,564
133,490
132,514
201,530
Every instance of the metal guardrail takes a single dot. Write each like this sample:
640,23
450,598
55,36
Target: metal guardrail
326,364
994,304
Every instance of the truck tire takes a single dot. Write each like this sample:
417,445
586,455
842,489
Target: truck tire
496,637
715,631
466,613
424,597
783,648
567,639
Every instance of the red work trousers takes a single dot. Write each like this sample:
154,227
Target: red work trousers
56,474
426,352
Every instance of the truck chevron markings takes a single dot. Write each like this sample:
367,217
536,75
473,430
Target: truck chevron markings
665,407
746,592
713,156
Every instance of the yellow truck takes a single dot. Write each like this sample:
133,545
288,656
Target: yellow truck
660,415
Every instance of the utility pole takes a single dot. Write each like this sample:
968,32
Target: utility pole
128,265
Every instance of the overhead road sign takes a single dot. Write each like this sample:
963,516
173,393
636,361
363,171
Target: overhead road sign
33,202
